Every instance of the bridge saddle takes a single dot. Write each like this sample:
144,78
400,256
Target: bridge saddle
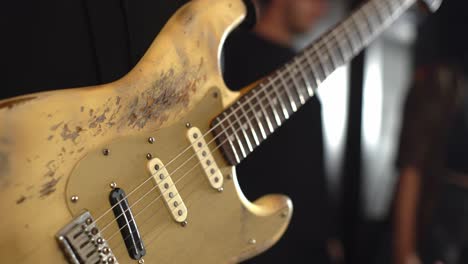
82,243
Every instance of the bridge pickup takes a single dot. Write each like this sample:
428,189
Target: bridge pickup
82,242
211,169
171,196
127,224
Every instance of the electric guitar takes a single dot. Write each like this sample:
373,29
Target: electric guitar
143,169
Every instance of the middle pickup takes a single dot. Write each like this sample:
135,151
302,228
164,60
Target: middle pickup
168,190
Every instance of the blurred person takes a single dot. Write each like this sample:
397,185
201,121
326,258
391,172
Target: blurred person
292,161
431,205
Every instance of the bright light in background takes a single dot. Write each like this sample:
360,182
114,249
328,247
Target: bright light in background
333,94
372,98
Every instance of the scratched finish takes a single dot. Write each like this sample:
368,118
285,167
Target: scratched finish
43,136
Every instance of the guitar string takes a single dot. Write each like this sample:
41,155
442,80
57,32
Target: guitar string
271,84
237,130
272,81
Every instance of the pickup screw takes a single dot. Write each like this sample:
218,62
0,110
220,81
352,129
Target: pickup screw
184,223
105,152
149,156
252,241
105,250
94,231
156,167
141,261
113,185
188,125
74,198
151,140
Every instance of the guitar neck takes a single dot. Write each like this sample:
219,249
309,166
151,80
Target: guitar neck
257,114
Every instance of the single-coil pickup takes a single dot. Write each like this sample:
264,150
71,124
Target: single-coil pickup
168,190
205,158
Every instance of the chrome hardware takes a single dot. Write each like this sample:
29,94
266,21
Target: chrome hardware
188,125
151,140
105,152
77,242
252,241
113,185
149,156
74,198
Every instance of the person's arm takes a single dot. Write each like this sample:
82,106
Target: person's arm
405,217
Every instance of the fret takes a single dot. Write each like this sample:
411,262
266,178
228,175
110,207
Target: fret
272,107
279,97
372,20
228,137
379,17
292,102
315,72
253,132
257,119
338,47
332,51
359,29
393,5
309,89
246,126
324,66
384,9
265,115
344,52
298,89
354,43
234,132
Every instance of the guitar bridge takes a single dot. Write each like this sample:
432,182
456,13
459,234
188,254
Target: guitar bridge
82,243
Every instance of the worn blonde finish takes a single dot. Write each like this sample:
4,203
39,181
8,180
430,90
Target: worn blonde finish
50,149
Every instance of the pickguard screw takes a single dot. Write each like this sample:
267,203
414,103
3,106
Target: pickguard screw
110,260
141,261
151,140
113,185
228,176
284,214
215,94
149,156
184,223
188,125
74,198
252,241
105,152
220,189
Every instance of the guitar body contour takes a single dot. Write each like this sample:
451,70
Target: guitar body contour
52,148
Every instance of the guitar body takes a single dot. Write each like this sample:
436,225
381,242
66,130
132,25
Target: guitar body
52,147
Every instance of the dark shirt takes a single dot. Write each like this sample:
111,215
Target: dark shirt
290,161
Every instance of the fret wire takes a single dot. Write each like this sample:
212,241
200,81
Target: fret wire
239,142
381,18
373,25
265,114
339,47
244,133
309,89
272,106
331,52
296,85
322,64
278,96
234,151
358,25
260,125
252,129
317,78
383,9
353,43
340,41
288,93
